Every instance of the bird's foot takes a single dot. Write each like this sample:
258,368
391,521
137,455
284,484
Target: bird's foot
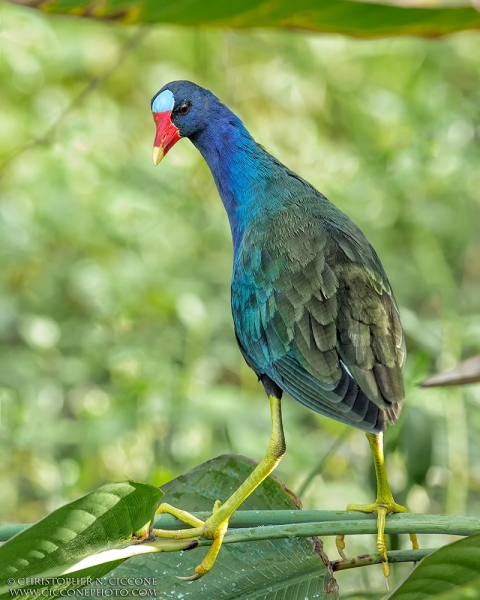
214,528
382,507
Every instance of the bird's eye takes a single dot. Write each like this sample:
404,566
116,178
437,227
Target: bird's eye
184,108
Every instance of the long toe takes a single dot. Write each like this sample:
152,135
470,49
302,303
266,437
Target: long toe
382,507
213,528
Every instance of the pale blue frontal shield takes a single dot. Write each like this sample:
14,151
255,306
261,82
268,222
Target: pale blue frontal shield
163,102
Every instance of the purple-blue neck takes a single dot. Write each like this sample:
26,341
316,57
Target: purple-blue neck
240,168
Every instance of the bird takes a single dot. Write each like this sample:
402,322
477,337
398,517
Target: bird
313,310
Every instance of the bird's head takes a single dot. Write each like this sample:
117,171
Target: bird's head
180,109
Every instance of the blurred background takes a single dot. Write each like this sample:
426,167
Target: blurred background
118,358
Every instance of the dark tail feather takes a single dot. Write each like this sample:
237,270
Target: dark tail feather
346,403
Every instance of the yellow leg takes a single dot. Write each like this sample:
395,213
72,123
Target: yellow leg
215,527
383,505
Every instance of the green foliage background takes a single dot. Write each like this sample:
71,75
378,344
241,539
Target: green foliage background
118,358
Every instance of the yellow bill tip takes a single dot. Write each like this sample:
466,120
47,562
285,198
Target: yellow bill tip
158,155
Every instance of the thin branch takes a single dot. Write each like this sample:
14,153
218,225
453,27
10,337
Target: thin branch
254,518
395,524
328,522
394,556
91,86
272,524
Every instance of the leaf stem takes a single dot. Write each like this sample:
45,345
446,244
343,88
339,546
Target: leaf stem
394,556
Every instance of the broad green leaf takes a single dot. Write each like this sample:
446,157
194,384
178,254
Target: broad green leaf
267,570
450,573
359,19
109,518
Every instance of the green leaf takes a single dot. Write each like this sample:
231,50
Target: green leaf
111,517
358,19
287,568
450,573
416,441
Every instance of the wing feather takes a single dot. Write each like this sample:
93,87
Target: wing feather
313,310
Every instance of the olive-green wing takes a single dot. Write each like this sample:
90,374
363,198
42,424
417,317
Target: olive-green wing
313,310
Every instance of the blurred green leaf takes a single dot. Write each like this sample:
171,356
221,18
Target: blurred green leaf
359,19
267,570
450,573
416,441
111,517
